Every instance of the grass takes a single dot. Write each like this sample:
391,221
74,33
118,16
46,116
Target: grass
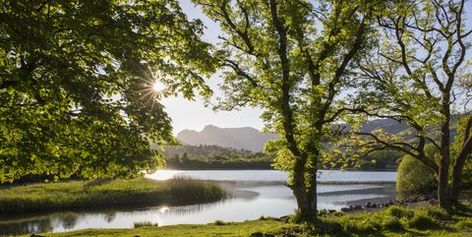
105,194
394,221
217,229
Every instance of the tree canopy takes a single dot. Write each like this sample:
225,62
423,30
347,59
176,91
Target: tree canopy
291,58
419,75
76,80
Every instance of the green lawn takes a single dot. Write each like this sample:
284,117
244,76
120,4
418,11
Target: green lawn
228,229
394,221
105,193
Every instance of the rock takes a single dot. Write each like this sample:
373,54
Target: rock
257,234
331,211
373,205
289,235
284,218
345,209
357,207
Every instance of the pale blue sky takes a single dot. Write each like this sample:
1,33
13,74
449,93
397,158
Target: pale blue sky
193,114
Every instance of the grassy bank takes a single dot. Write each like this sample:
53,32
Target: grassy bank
105,194
394,221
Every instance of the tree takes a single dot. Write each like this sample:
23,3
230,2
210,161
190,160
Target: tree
418,75
290,58
76,81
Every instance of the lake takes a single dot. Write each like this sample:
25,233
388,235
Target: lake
255,193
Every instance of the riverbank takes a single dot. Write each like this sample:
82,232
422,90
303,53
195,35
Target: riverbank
393,221
105,194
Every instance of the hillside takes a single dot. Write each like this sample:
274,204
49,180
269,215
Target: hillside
239,138
253,140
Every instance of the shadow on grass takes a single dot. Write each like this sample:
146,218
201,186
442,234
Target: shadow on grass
97,182
463,210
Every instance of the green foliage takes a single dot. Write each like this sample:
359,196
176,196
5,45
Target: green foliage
105,193
384,159
395,219
145,224
422,222
412,74
76,95
214,157
465,223
219,222
414,177
399,212
280,56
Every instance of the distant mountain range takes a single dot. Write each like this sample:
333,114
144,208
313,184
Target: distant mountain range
246,138
253,140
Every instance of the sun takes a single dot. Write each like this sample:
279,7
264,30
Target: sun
157,86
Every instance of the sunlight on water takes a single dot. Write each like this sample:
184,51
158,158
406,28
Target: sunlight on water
164,209
162,175
255,193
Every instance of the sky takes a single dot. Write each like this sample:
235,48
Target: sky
194,115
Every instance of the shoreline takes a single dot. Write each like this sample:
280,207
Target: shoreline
422,220
103,194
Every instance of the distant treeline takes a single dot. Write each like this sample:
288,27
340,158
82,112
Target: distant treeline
217,157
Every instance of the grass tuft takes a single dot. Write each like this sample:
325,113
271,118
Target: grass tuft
219,222
101,194
145,224
399,212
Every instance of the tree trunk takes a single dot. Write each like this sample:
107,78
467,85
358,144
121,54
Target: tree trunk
305,203
443,188
303,194
458,168
445,155
456,185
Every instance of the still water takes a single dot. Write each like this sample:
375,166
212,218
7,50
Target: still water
255,193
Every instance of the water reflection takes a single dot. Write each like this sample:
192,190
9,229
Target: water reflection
251,199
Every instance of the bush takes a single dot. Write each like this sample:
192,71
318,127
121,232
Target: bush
399,212
435,212
391,223
145,224
414,178
422,222
219,222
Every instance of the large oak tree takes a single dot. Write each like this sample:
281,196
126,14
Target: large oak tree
76,80
290,58
419,75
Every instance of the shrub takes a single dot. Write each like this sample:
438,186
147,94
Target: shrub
219,222
414,177
422,222
145,224
399,212
391,223
435,212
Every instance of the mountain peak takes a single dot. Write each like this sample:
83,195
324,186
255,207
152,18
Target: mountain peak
247,138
